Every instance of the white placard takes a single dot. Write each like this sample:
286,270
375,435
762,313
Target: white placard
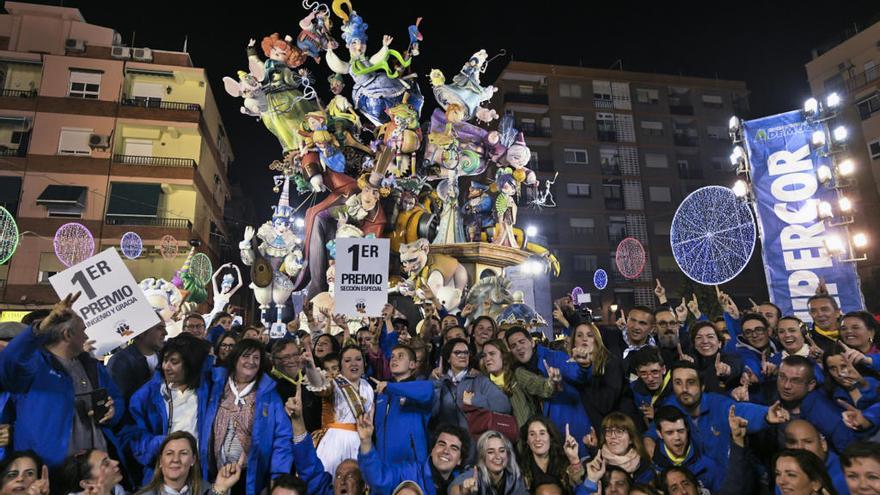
112,304
361,287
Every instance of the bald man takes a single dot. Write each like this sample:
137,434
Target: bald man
801,434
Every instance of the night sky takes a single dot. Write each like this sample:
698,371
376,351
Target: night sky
764,43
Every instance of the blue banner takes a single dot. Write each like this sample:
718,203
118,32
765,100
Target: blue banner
787,193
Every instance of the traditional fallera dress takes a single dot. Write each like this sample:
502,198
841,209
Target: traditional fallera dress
344,401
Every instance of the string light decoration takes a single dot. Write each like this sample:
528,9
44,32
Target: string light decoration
712,235
201,268
168,247
575,293
630,258
600,279
9,236
73,243
132,245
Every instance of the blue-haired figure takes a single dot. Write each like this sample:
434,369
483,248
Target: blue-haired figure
377,85
505,211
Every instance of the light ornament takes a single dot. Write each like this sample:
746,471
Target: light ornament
73,243
630,258
131,245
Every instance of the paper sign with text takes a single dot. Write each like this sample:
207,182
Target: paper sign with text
361,287
112,304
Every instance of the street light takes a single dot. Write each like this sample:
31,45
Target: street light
823,173
846,167
614,308
860,240
844,204
740,189
531,231
824,208
818,138
737,155
811,106
833,244
839,134
832,100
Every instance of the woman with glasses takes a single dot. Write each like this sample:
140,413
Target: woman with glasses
719,371
621,445
460,384
245,422
178,470
92,472
520,385
175,399
223,347
496,472
24,472
755,347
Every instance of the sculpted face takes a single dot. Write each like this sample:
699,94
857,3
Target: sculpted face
412,259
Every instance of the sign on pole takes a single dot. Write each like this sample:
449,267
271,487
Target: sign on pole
361,287
112,304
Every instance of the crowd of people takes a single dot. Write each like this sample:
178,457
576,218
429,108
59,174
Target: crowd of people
664,401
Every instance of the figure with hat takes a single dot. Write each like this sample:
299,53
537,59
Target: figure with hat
279,247
315,35
477,211
466,89
377,87
516,158
451,228
505,211
403,135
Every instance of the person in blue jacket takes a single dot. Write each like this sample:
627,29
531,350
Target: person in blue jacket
245,417
800,434
755,347
709,412
403,408
133,366
564,406
52,380
175,399
676,448
846,383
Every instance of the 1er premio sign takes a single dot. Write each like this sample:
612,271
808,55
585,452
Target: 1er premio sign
361,287
112,304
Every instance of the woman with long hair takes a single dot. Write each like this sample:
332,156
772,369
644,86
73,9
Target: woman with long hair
89,471
520,385
482,330
23,472
175,399
801,472
245,422
547,457
845,381
496,472
224,346
324,344
858,329
621,445
719,371
605,392
177,470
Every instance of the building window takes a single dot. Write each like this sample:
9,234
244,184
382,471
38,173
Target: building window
585,262
605,128
576,156
720,163
662,228
75,142
713,101
652,127
616,229
570,90
874,149
602,96
572,123
717,132
579,190
610,158
526,89
582,226
656,160
647,96
62,201
659,194
869,106
49,265
10,191
84,85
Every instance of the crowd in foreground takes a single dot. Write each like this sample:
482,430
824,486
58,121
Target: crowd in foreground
665,401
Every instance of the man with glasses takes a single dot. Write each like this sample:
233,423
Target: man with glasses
194,323
670,335
650,388
287,371
755,347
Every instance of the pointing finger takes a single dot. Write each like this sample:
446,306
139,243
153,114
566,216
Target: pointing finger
846,405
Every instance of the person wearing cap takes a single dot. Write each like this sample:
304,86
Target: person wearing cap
477,211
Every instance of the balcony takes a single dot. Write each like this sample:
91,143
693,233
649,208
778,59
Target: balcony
685,140
154,161
681,109
610,168
160,104
613,203
18,93
535,131
607,135
527,98
7,152
862,79
171,223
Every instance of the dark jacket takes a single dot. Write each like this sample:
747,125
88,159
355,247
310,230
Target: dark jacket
707,471
311,403
608,392
129,370
710,379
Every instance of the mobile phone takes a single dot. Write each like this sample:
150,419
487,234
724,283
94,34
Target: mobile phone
100,397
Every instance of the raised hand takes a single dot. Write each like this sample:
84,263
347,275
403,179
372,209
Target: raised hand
559,316
387,313
570,446
468,397
852,417
681,354
582,356
380,385
816,352
738,427
768,369
293,406
822,288
721,368
596,468
854,356
386,40
60,309
228,476
660,292
41,485
553,374
308,359
740,394
748,377
681,311
468,310
365,426
111,411
621,322
777,415
89,346
694,306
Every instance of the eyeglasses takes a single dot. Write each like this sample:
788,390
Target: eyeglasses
754,331
461,353
194,326
227,346
667,324
615,432
287,357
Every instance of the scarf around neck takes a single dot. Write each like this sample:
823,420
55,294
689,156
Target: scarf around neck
629,462
239,396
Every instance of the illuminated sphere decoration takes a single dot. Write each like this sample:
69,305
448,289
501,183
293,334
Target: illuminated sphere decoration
73,243
168,247
9,236
600,279
630,258
201,268
712,235
132,245
575,293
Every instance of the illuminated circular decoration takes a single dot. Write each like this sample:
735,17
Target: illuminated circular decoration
8,235
575,293
168,247
132,245
201,268
73,243
630,258
600,279
712,235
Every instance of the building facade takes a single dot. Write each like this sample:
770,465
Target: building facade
628,147
850,67
115,138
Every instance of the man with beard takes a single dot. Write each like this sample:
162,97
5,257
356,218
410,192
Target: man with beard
671,336
403,408
287,371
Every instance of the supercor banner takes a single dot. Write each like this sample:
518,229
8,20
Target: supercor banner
787,193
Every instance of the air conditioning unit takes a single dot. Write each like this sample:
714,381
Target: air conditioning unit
74,45
121,52
99,142
143,54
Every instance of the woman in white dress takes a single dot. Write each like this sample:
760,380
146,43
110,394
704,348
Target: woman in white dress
347,396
